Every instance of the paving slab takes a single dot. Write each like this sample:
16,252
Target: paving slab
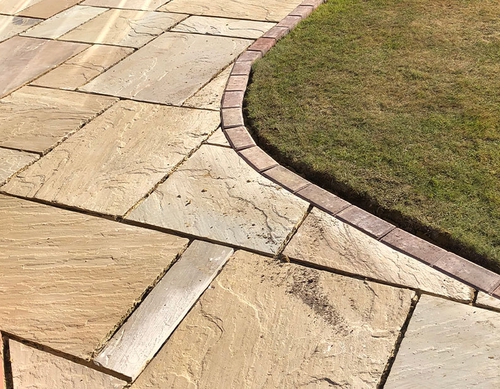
145,5
12,161
32,368
2,375
124,27
216,195
262,324
13,25
271,10
153,74
12,7
210,96
83,67
218,139
36,119
63,22
114,161
69,279
486,301
22,59
326,241
448,345
47,8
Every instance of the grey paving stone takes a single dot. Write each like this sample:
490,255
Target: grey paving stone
13,25
12,160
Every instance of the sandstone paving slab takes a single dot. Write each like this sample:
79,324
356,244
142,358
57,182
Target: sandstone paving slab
218,139
448,345
223,26
272,10
145,5
69,279
124,27
262,324
114,161
63,22
13,25
216,195
210,96
326,241
12,160
36,119
22,59
47,8
486,301
83,67
12,7
154,74
32,368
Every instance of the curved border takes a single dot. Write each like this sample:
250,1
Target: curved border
242,142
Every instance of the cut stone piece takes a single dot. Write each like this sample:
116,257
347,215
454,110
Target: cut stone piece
325,241
232,117
47,8
12,7
276,32
32,368
323,199
145,331
11,161
263,45
22,59
84,67
216,195
218,139
153,74
209,97
286,178
262,324
487,301
448,345
114,161
13,25
36,119
257,158
63,22
240,138
149,5
271,10
365,221
68,279
222,26
124,27
233,99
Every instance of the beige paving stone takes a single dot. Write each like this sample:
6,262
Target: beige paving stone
487,301
210,96
222,26
47,8
271,10
145,5
216,195
326,241
114,161
35,119
11,161
267,325
32,368
63,22
83,67
124,27
153,74
12,7
218,139
22,59
448,345
13,25
68,279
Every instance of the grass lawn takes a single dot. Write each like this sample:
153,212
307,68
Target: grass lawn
395,106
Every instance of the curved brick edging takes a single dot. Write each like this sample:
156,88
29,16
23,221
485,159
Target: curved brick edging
242,142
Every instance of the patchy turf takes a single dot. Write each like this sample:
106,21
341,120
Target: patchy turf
394,105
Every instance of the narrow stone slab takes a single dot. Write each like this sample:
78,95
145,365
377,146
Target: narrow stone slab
149,5
36,119
69,279
154,74
286,178
22,59
257,158
63,22
140,338
262,324
218,139
12,160
239,138
82,68
448,345
13,25
114,161
323,240
365,221
209,97
47,8
271,10
222,26
323,199
32,368
486,301
216,195
12,7
124,27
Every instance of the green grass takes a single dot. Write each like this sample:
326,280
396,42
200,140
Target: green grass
394,105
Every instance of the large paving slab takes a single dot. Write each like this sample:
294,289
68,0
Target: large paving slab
47,8
262,324
145,5
13,25
14,6
114,161
124,27
271,10
22,59
36,119
324,240
12,160
448,345
155,74
487,301
69,279
210,96
32,368
216,195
